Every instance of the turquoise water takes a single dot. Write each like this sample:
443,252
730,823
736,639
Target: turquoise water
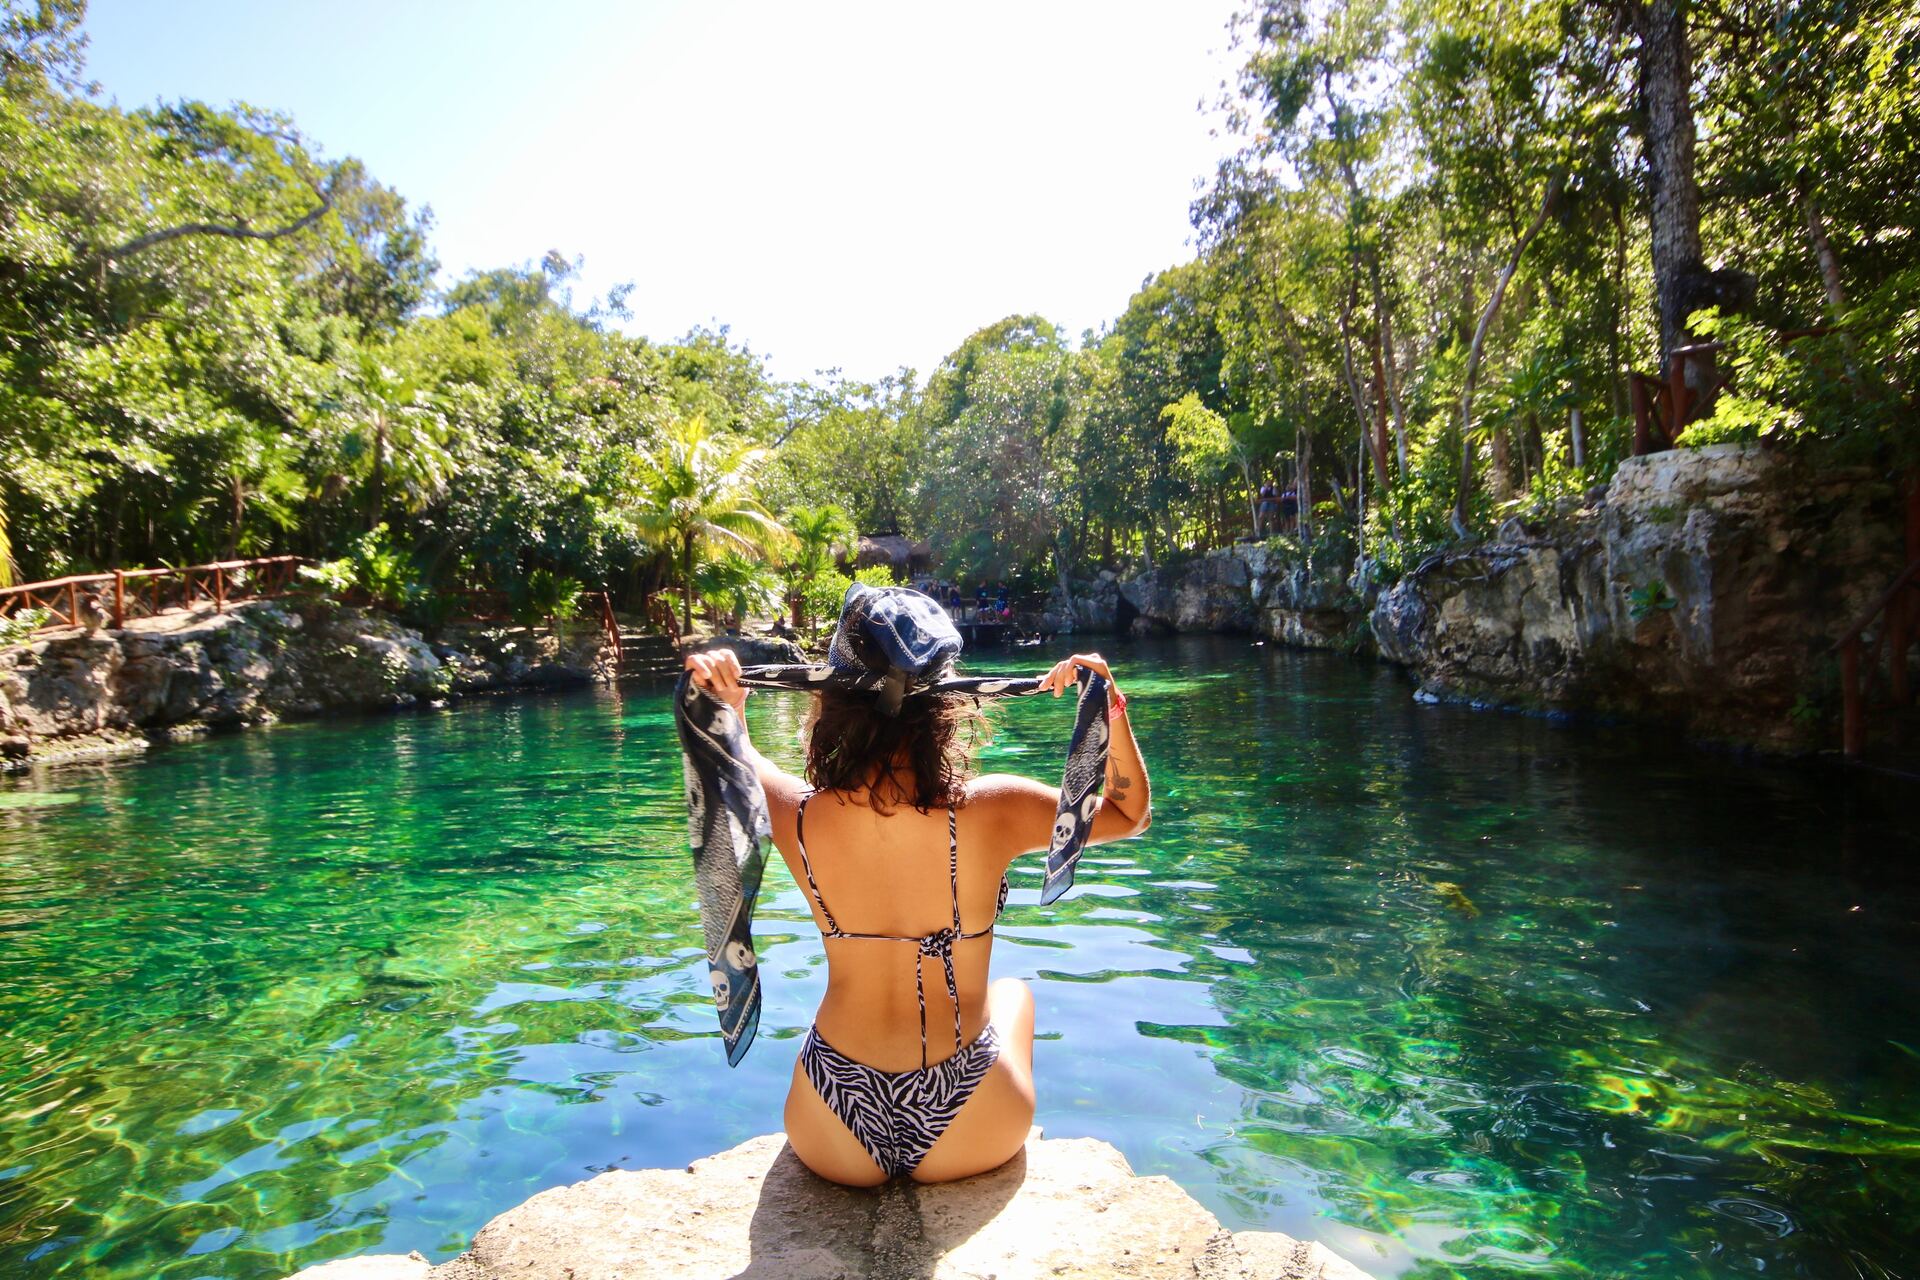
1462,995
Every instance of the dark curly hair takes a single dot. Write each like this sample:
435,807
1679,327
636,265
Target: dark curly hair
921,756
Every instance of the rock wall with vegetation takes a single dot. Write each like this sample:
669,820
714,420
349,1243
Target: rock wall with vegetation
1275,589
1702,587
73,691
1706,589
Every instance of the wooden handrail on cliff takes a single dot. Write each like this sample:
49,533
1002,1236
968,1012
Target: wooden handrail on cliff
1661,407
1901,612
1900,605
127,593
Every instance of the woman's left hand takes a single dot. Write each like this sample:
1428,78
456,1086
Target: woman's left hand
1062,677
718,672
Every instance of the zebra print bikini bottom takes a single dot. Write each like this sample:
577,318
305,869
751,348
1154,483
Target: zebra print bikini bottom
897,1115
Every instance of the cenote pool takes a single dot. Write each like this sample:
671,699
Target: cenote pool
1462,995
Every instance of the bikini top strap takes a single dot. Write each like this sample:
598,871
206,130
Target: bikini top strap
800,841
953,864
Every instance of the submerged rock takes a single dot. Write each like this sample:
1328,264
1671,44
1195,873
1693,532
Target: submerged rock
1062,1208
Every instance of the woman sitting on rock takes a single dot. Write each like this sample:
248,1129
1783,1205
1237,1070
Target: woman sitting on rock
915,1064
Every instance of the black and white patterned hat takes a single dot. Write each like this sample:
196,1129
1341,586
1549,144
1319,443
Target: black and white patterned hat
902,633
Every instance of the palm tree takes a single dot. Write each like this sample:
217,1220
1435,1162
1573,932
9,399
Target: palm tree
698,497
822,533
393,433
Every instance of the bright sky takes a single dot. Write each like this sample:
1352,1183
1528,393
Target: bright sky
853,185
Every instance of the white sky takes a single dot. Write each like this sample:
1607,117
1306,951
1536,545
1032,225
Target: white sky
853,185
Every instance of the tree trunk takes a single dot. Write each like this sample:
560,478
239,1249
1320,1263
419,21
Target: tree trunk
379,501
1253,498
686,587
1380,422
1502,474
1823,254
1463,500
1303,490
239,495
1577,437
1666,83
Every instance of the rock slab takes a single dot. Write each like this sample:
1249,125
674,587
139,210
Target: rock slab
1062,1208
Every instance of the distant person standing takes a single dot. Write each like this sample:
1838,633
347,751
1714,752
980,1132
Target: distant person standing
1289,509
1267,521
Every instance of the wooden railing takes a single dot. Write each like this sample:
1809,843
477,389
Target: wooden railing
1899,604
110,599
1898,610
1661,409
662,612
603,604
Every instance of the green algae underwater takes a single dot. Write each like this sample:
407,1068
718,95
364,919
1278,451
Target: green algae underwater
1460,994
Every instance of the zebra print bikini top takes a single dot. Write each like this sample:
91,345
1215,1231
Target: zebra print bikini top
938,943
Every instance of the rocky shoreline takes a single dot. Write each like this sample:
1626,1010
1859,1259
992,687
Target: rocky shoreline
1701,589
74,693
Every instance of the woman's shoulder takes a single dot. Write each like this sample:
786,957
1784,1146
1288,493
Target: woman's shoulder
1010,795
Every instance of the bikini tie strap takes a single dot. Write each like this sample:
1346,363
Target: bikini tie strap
938,943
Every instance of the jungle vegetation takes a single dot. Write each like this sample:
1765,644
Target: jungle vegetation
1443,237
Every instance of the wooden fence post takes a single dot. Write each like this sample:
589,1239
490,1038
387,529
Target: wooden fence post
219,589
119,599
1642,431
1852,729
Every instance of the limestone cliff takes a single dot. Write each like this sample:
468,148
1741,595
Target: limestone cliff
1702,588
1705,590
74,691
1262,589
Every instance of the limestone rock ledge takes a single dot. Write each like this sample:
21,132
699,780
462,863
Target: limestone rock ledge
1062,1208
74,692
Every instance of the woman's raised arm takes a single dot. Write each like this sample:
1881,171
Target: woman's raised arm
1024,808
1126,802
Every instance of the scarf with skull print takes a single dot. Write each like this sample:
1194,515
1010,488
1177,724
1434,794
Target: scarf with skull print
727,813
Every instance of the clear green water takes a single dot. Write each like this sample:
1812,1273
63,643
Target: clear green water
1460,994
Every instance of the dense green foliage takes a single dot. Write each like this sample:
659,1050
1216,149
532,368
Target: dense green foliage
1424,282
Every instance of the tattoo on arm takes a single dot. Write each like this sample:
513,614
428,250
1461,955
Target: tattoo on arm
1117,784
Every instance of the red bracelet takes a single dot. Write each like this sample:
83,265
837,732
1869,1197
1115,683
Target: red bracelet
1116,704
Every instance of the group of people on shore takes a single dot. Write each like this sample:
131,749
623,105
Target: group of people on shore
1276,511
986,604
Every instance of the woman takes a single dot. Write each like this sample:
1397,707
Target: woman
915,1064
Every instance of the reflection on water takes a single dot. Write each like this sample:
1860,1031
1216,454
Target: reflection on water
1462,995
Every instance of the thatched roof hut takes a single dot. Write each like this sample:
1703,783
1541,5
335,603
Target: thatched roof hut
894,551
